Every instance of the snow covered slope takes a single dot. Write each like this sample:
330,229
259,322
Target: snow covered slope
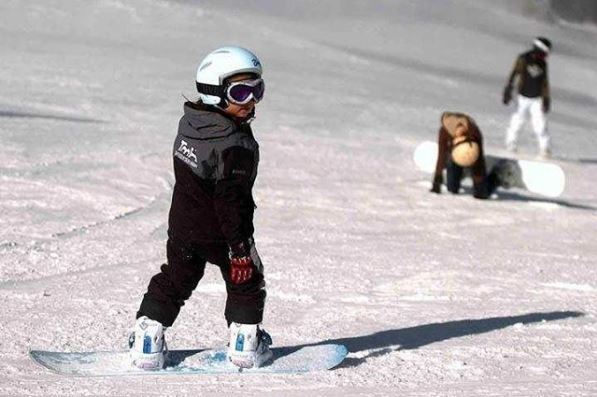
432,295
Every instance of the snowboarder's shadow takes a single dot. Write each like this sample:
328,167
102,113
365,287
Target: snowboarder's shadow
384,342
5,113
504,195
582,160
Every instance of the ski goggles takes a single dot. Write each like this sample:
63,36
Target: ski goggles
242,92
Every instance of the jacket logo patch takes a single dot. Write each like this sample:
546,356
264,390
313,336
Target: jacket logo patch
534,70
239,172
186,154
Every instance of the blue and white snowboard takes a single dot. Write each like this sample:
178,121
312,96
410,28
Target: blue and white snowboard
185,362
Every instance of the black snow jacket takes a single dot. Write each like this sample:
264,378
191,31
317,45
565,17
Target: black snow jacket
215,166
531,70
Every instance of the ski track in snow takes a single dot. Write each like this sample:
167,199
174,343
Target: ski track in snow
432,295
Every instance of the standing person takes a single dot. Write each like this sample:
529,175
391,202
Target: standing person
211,214
460,147
533,95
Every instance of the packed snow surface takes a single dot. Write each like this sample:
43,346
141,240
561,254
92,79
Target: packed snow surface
432,295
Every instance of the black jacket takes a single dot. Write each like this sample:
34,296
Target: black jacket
215,166
531,70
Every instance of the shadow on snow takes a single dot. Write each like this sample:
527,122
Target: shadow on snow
508,195
384,342
30,115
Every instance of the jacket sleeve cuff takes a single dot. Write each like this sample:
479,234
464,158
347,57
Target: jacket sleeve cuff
241,248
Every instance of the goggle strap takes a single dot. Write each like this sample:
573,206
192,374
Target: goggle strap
209,89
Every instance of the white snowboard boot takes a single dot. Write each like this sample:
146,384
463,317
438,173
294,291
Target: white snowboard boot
147,345
512,147
545,154
249,345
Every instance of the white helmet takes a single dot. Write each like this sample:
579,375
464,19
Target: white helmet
220,64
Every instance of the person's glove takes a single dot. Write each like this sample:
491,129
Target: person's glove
243,261
241,269
437,184
546,104
507,95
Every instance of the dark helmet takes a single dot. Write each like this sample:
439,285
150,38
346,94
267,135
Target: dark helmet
542,44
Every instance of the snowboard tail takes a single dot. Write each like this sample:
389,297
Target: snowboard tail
185,362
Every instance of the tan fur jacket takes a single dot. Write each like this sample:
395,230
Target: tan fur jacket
450,121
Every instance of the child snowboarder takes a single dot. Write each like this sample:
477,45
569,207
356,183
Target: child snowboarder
460,146
211,214
533,95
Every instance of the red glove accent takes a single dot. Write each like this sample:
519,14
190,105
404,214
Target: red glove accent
241,269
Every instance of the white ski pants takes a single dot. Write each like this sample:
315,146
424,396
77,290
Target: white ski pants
534,106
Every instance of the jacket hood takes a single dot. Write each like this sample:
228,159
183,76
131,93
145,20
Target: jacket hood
201,122
451,121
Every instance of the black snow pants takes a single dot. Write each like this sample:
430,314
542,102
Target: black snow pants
482,190
169,289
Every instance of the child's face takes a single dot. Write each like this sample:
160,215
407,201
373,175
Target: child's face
240,111
541,55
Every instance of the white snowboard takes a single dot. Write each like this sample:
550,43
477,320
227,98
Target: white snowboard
295,359
539,177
